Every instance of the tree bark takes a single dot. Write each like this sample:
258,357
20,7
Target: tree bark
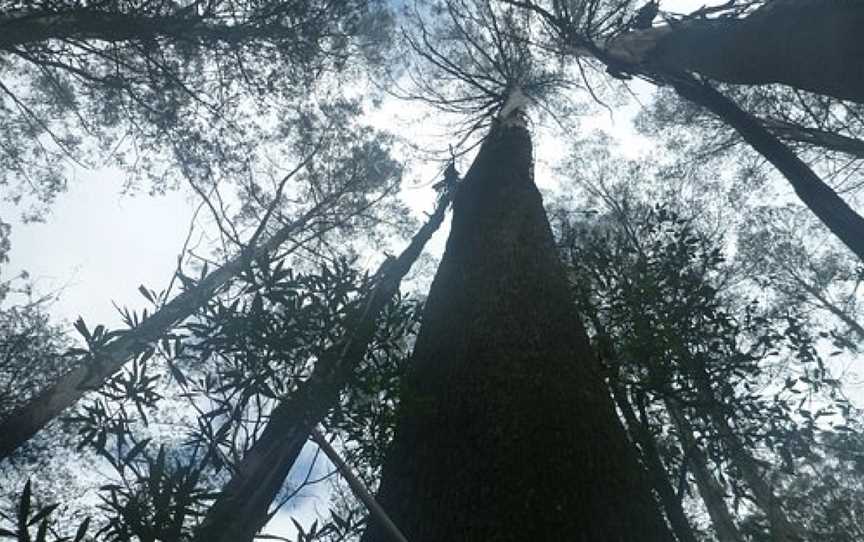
812,45
709,489
21,424
241,508
820,198
507,431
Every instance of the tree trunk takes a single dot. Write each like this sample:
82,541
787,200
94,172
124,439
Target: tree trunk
813,45
825,303
641,434
105,26
241,508
21,424
709,489
820,198
828,140
781,528
507,431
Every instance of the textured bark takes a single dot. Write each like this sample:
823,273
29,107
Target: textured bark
21,424
709,489
242,506
820,198
813,45
507,431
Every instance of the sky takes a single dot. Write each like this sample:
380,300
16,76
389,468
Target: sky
98,245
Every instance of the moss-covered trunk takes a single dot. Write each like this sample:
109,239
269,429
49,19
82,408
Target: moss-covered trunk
507,431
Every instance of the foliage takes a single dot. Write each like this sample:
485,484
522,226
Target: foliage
32,352
242,353
161,88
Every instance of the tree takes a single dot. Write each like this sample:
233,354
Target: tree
592,33
504,391
242,507
160,88
344,189
806,44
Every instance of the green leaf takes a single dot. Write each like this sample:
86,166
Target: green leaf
82,328
42,533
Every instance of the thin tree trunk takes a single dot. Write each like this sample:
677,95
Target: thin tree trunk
709,489
640,433
242,506
827,304
781,529
506,429
812,45
841,219
21,424
813,136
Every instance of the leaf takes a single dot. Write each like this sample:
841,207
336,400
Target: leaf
82,328
42,533
176,373
82,530
146,354
146,293
24,506
137,449
42,514
299,527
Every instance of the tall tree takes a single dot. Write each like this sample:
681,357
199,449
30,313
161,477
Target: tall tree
507,431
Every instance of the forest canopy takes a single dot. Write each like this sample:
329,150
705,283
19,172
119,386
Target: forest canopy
454,270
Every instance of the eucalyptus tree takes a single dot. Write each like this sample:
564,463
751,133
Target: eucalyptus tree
505,428
242,507
595,32
166,90
806,44
805,269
